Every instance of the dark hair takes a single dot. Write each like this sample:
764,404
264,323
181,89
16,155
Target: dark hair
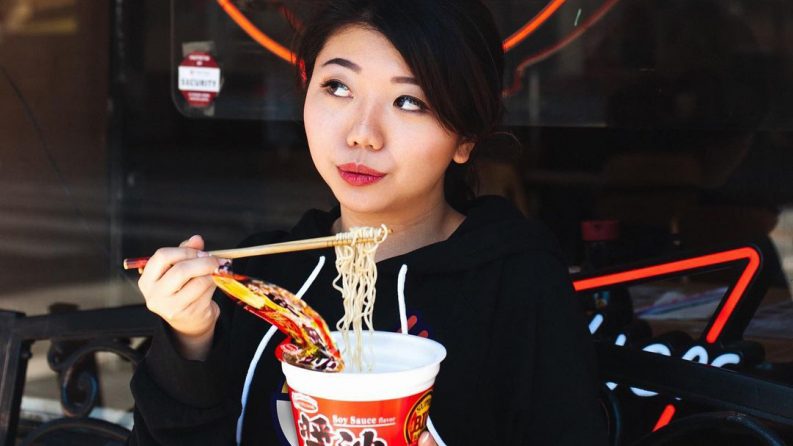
452,47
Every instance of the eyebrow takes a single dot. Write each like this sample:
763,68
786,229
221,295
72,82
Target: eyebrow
344,63
404,80
357,68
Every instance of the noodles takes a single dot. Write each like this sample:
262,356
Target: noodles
357,270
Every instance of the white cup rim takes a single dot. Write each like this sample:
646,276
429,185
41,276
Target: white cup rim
375,386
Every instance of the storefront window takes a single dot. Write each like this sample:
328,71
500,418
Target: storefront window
131,125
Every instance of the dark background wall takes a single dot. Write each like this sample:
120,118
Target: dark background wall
673,117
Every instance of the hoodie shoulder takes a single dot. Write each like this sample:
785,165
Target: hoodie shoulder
498,221
315,223
493,229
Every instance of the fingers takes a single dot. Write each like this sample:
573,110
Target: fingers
177,286
170,269
179,274
426,439
164,258
192,311
197,292
195,242
204,310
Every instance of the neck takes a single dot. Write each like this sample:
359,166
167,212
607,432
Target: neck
409,232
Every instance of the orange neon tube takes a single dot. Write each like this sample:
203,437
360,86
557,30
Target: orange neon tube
555,48
284,53
532,25
255,33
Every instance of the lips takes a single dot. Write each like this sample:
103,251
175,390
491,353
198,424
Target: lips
359,174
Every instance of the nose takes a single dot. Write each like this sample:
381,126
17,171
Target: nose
366,131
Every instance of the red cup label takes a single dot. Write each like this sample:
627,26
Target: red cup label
396,422
416,420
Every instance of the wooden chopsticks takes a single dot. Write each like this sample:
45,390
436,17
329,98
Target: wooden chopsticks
344,238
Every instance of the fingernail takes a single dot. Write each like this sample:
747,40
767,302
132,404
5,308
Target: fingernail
224,266
222,270
203,254
424,437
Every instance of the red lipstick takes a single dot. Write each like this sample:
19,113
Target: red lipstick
359,174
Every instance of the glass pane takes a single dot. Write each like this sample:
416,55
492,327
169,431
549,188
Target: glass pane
682,64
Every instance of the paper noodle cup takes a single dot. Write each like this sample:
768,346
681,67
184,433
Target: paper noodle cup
388,406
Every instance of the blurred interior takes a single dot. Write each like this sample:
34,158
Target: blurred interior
674,117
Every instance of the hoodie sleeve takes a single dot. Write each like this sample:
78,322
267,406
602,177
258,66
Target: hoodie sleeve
180,401
564,408
186,402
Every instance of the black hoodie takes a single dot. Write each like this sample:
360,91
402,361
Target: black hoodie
519,368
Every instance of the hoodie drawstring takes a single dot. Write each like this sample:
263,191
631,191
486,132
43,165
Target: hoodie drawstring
403,323
263,344
403,317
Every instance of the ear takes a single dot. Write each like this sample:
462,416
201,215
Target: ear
463,152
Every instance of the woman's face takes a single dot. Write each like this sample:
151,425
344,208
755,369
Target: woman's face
372,135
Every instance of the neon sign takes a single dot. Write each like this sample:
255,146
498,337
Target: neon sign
695,353
724,315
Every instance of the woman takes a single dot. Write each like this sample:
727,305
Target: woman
399,94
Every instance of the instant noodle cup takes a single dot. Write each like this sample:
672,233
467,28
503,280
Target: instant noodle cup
387,406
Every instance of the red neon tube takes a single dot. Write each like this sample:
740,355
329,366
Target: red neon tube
666,417
686,265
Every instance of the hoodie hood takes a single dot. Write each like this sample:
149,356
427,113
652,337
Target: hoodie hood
492,229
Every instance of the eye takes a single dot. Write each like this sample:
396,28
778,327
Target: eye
409,103
336,88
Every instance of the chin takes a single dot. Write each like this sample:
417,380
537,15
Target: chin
362,206
360,201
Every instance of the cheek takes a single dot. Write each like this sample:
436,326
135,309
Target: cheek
433,148
310,118
318,125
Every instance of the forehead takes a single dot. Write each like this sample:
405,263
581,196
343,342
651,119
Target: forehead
365,47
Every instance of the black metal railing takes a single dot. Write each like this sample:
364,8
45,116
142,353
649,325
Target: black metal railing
87,333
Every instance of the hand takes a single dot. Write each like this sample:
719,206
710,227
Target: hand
177,287
426,439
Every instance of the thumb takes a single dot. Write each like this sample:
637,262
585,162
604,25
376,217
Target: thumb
195,242
426,439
